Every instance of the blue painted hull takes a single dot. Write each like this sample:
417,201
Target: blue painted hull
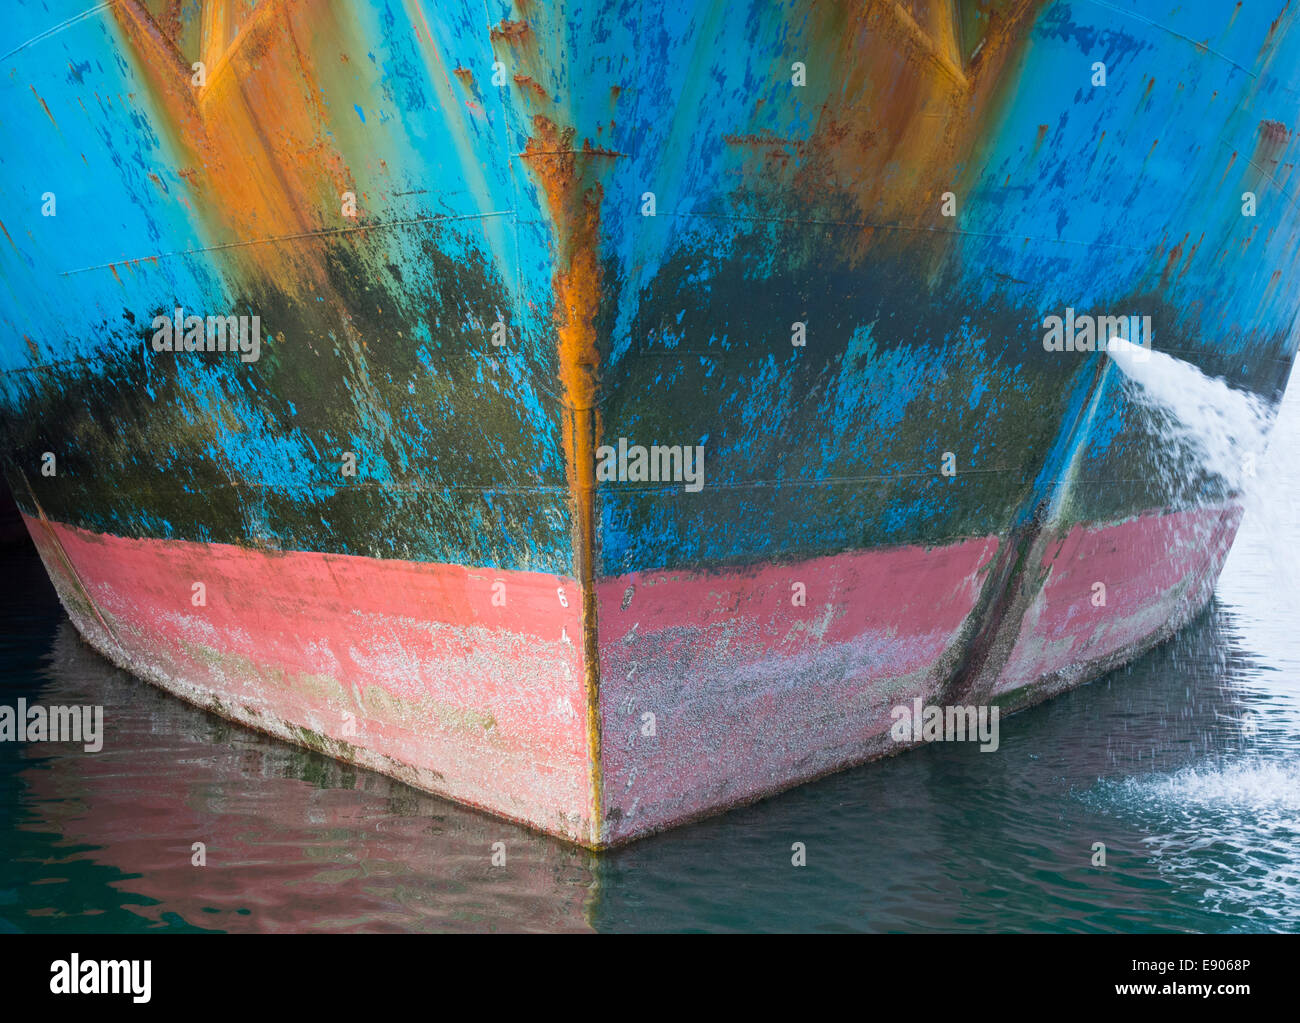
818,241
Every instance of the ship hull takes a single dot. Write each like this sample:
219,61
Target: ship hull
407,668
818,244
717,690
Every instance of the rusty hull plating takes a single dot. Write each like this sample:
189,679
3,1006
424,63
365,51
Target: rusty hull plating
389,184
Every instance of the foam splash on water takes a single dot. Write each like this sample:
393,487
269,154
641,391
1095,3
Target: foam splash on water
1220,831
1219,429
1261,580
1245,785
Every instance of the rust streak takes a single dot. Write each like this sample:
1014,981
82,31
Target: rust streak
44,107
574,205
525,82
513,31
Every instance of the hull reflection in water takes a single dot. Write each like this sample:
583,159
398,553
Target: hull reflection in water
293,840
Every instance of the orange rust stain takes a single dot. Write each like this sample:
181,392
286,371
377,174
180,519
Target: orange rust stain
526,83
251,137
897,73
1273,281
6,233
1191,257
1231,160
1273,138
1274,131
1272,28
573,199
464,74
169,19
513,31
766,141
44,107
1175,254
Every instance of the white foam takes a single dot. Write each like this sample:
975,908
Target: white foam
1221,430
1255,785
